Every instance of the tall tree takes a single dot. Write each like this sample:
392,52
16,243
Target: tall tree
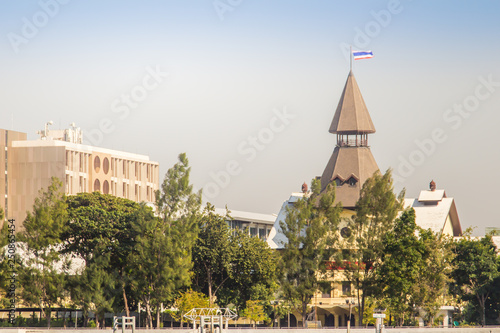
402,260
42,276
213,253
476,267
435,275
176,230
231,265
101,224
310,228
376,211
254,269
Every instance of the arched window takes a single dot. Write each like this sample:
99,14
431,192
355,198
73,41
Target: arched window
97,185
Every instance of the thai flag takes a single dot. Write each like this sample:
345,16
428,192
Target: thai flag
358,55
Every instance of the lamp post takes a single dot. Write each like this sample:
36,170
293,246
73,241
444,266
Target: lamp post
351,303
274,312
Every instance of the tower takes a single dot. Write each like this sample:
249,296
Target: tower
351,162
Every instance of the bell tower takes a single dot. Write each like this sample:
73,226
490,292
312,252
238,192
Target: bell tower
351,162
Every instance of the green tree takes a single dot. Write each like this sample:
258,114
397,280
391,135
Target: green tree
254,270
42,281
376,211
231,265
402,260
212,253
102,224
169,240
94,288
188,300
435,274
254,311
311,231
476,267
160,269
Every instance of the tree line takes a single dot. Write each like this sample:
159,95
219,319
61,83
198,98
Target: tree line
180,255
101,253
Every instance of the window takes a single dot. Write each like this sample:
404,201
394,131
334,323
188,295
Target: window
338,182
262,233
253,232
345,232
105,187
346,288
97,164
352,181
105,165
97,185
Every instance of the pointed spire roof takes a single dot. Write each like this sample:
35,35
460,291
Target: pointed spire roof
352,116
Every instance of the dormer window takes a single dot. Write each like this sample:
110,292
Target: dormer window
338,182
352,181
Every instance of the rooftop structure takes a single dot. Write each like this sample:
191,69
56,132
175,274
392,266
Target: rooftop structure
351,162
435,211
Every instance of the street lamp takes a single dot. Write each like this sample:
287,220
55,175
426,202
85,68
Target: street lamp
274,311
351,303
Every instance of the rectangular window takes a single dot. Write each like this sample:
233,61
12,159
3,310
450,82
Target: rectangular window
253,231
262,234
346,288
124,190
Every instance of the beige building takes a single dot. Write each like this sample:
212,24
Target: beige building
350,165
30,165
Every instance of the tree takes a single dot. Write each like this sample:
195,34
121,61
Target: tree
402,260
101,224
160,268
94,288
254,270
212,253
476,267
254,311
188,300
310,228
376,211
231,265
169,240
41,279
434,276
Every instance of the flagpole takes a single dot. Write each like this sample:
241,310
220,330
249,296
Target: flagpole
350,59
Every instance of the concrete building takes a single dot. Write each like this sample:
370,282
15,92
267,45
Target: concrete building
30,165
257,225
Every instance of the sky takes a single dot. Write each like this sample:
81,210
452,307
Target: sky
248,89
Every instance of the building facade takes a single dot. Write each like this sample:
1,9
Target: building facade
349,166
31,164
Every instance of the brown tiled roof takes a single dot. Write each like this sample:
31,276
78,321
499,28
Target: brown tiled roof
352,116
347,162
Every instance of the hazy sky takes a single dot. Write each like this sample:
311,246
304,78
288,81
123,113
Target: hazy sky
248,88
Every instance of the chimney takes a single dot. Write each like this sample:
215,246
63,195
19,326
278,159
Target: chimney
432,185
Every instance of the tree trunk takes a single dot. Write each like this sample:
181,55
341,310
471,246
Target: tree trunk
209,278
158,325
149,319
125,301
